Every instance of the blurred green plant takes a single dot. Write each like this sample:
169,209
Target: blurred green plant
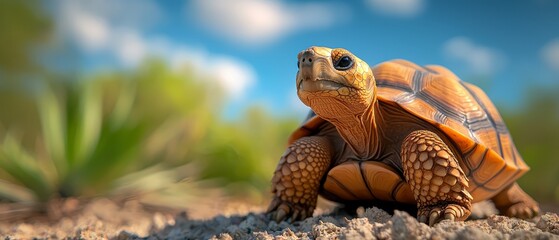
97,131
535,128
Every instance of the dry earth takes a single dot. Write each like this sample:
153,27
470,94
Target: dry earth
105,219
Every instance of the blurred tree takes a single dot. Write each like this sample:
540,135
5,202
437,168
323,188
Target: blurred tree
23,26
247,150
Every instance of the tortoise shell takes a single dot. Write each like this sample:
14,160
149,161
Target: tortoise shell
460,110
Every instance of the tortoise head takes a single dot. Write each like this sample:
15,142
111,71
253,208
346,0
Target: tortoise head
334,82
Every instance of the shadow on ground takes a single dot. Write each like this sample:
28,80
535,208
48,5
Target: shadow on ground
372,223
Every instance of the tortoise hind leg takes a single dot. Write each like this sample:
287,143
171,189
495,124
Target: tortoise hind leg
514,202
438,183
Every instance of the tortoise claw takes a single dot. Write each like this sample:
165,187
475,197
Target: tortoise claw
523,210
295,216
434,218
437,213
273,205
304,214
280,215
449,216
284,211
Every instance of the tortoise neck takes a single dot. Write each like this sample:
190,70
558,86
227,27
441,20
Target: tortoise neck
360,131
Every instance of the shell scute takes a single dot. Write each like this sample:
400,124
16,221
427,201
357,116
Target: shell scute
463,112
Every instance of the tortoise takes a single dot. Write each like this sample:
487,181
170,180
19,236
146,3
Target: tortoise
399,133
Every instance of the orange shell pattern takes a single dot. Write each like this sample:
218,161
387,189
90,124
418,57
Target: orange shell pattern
459,109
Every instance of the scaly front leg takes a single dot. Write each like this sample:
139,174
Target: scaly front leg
438,183
297,179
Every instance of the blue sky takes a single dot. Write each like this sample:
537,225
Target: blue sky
250,46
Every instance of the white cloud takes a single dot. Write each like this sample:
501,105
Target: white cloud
131,13
179,55
130,47
550,54
98,28
101,26
90,31
479,59
234,76
400,8
261,21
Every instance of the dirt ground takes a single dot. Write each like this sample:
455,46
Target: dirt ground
106,219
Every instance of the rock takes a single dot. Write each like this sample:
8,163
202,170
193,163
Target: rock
24,228
528,235
90,234
325,230
549,222
471,233
222,236
358,228
158,221
509,225
376,215
405,226
123,235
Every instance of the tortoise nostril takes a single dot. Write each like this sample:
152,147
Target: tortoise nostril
307,58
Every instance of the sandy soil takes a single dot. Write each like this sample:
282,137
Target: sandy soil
105,219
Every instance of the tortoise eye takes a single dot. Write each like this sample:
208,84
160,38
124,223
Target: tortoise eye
344,63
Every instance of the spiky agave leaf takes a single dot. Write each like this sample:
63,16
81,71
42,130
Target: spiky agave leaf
22,168
53,126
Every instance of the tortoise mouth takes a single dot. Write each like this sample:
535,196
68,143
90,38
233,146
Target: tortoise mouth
320,84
